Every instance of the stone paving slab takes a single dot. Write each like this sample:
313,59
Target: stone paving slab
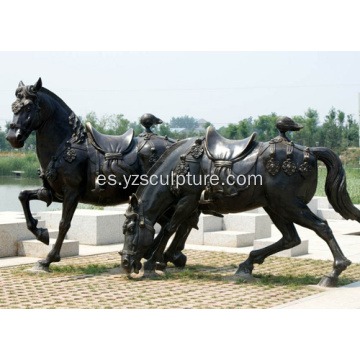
202,284
345,297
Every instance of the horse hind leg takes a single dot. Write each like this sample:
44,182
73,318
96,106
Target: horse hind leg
290,239
306,218
25,197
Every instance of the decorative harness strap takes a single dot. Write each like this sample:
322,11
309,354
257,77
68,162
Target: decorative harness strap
182,168
144,222
288,166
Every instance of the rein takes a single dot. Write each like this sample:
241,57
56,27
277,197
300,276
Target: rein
144,222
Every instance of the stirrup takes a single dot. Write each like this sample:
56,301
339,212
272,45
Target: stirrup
203,199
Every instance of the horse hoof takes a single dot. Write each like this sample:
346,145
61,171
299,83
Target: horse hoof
44,236
39,268
150,274
180,261
149,266
160,266
328,281
245,276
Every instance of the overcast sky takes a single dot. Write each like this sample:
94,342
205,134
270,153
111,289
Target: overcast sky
220,87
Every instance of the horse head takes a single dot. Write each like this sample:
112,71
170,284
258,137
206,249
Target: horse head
26,111
139,235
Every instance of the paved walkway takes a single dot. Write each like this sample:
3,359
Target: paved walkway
347,297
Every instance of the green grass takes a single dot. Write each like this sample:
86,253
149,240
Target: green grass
352,183
29,164
91,269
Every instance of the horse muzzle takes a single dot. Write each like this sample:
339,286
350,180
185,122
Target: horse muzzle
130,264
16,138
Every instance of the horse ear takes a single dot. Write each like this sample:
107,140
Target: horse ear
38,85
21,84
134,201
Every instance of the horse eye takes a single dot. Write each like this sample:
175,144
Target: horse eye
28,108
12,126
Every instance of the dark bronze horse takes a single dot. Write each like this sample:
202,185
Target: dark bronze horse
73,159
280,177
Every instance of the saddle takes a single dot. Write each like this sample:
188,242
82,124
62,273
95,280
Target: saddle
110,143
119,154
219,148
224,153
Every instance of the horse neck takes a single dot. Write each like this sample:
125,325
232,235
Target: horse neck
54,131
156,199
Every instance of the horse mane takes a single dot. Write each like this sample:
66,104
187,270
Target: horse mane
55,97
79,132
159,162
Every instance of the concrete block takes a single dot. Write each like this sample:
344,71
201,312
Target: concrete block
323,202
329,214
313,204
228,238
258,210
35,248
90,227
13,229
206,223
301,249
259,224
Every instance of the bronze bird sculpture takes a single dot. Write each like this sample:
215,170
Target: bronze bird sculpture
149,120
284,124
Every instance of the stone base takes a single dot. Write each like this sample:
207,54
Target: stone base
12,229
329,214
206,223
90,227
228,238
259,224
34,248
301,249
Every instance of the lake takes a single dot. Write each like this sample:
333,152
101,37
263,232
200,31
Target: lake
10,187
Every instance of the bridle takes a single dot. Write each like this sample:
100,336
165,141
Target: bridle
26,131
144,222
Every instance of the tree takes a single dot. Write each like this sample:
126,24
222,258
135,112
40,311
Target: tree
244,128
351,132
331,131
138,129
114,124
164,130
265,127
185,121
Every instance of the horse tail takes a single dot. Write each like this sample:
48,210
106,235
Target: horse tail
335,185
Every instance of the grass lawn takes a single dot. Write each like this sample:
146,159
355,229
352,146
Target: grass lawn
352,181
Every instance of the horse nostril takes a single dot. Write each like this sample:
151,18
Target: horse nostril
18,137
126,262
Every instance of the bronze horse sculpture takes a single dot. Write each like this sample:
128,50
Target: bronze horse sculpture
72,158
288,175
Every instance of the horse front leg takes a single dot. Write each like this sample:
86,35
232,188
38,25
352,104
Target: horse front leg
174,252
178,223
25,197
71,200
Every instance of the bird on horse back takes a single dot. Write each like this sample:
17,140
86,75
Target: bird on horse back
230,176
77,163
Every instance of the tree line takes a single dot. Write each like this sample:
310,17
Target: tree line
337,131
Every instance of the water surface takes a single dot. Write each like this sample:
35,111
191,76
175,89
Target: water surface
10,187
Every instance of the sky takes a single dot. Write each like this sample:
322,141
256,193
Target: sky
220,87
